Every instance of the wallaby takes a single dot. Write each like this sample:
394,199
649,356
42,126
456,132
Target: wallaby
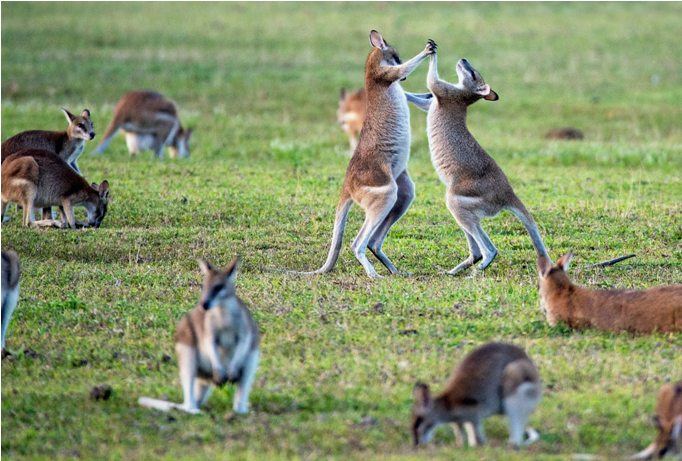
10,290
35,177
351,114
149,121
216,342
640,311
495,378
68,145
475,185
376,177
668,422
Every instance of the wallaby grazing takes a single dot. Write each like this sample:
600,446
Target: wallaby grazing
68,145
149,121
475,185
216,342
376,177
638,311
38,178
351,114
10,290
668,422
495,378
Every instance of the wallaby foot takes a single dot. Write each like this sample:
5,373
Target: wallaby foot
467,263
46,223
487,260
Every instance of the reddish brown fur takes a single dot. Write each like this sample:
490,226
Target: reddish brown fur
668,414
638,311
38,178
351,114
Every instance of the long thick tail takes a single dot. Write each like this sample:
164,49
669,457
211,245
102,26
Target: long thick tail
647,453
342,210
163,405
108,136
525,217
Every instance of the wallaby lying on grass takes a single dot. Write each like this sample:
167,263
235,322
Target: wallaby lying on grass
495,378
351,114
150,121
668,422
68,145
376,177
640,311
34,177
475,185
216,342
10,290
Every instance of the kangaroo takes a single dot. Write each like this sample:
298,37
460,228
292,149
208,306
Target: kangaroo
376,177
35,177
216,342
351,114
668,422
639,311
495,378
68,145
475,185
10,290
149,121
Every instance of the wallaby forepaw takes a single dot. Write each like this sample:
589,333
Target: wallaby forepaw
431,47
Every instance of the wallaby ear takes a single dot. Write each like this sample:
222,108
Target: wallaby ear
376,40
205,266
85,113
231,269
104,189
421,394
565,261
544,265
95,186
342,95
492,96
69,116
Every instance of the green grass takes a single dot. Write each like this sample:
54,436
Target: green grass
260,82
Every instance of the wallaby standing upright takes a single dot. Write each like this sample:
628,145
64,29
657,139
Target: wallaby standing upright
10,290
475,186
34,177
68,145
216,342
150,121
668,422
640,311
351,114
376,177
495,378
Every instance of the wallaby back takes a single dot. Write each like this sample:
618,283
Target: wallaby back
639,311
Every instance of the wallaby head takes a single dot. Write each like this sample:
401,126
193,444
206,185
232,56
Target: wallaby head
96,214
179,147
80,126
351,113
471,84
218,284
389,55
553,279
424,414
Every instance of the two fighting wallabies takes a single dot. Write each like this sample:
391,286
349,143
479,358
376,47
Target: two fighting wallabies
150,121
496,378
216,342
376,177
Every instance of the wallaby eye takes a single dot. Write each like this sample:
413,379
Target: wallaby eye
81,126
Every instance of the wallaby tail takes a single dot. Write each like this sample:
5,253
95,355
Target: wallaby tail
342,210
108,136
525,217
647,453
161,405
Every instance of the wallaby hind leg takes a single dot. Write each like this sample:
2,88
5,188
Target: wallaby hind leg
28,208
4,209
187,363
202,391
241,395
518,406
474,255
377,202
402,204
470,224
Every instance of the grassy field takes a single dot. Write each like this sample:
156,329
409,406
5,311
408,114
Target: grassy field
259,83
